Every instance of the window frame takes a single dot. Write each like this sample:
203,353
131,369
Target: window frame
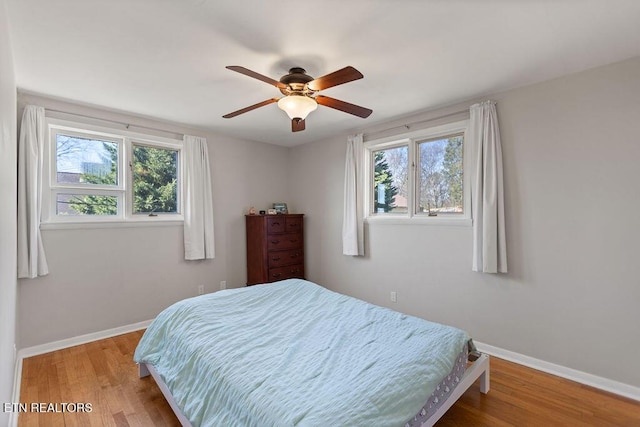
123,190
412,140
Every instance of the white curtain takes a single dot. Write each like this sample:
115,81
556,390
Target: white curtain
32,261
489,241
198,206
353,216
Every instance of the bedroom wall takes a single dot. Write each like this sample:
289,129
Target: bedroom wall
571,296
8,224
103,278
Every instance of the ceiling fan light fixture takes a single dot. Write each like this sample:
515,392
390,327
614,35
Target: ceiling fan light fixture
297,106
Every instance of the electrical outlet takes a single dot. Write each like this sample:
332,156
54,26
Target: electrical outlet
394,296
200,289
223,284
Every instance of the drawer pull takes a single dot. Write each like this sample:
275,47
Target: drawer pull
275,258
275,223
295,255
276,275
293,240
275,242
295,271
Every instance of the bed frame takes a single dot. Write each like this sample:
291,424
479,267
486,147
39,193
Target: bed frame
478,369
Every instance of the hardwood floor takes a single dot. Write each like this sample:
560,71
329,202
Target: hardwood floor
103,373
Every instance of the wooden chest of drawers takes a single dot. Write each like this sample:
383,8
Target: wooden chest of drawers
275,248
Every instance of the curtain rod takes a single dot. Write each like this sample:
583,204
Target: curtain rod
408,126
125,124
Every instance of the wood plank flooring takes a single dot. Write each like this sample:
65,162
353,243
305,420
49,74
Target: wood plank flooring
103,373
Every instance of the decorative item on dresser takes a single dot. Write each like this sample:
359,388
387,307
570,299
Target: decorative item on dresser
275,248
281,208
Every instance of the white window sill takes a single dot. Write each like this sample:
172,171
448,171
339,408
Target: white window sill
69,225
418,220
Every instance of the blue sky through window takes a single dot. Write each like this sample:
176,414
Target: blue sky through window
76,155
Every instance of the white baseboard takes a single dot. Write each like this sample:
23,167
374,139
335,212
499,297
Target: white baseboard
17,379
58,345
82,339
615,387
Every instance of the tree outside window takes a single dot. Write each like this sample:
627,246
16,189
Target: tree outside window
390,180
440,176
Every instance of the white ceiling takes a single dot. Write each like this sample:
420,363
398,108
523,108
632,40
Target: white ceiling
166,58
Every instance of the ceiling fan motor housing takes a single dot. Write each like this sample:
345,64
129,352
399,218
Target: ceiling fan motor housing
296,81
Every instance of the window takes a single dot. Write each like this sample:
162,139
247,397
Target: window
419,175
390,180
87,174
98,175
155,180
439,175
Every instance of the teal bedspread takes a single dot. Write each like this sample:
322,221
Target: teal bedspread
292,353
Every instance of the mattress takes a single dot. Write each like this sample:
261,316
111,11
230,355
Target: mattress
293,353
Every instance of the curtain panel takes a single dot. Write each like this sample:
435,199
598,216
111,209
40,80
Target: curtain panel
32,261
353,215
198,200
487,193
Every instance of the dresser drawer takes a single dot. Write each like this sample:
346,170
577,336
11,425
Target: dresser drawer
293,225
284,241
288,272
280,258
276,224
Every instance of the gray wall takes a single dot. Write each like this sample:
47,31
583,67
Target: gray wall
8,226
102,278
571,156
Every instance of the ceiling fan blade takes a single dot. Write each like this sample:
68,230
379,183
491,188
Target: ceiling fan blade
297,125
345,75
356,110
248,72
252,107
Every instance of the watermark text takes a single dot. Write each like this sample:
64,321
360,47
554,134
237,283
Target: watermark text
60,407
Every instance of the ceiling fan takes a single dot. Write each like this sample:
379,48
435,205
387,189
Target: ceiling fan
300,93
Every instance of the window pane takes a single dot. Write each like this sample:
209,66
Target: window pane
390,180
84,204
440,178
86,161
155,180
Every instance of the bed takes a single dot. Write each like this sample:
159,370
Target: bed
293,353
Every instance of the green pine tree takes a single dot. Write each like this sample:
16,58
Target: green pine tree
155,180
382,177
